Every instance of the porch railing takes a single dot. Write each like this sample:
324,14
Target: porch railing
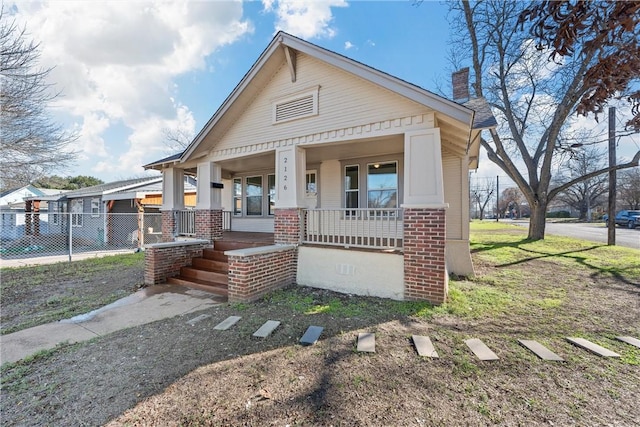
226,220
361,228
186,223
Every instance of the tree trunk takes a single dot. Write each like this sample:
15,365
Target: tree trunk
537,222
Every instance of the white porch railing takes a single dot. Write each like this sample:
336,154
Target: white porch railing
226,220
186,223
361,228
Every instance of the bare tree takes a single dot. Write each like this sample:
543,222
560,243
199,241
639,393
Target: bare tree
177,139
629,188
608,27
532,97
588,193
31,144
483,195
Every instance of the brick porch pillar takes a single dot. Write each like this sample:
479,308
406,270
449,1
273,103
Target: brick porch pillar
209,224
168,226
288,226
425,272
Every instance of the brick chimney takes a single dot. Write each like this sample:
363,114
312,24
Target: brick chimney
460,82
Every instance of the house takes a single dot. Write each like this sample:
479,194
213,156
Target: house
361,178
113,213
12,209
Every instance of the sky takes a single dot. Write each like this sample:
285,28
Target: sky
129,71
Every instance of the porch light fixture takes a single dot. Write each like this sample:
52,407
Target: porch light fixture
377,165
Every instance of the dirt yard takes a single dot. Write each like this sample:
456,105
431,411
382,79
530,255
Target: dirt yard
175,373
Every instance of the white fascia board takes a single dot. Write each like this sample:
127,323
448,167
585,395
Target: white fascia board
240,87
127,187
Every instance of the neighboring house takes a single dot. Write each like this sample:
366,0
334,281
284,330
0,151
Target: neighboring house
12,210
103,212
328,153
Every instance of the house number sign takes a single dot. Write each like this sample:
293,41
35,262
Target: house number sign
286,176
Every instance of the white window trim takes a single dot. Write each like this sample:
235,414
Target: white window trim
77,218
95,214
313,92
246,196
397,187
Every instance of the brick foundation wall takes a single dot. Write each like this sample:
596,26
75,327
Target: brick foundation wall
168,226
425,273
252,276
209,224
287,226
164,261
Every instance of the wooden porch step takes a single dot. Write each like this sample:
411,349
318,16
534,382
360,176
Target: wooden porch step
214,255
203,285
231,245
210,264
206,275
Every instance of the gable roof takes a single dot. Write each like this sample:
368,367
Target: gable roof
273,56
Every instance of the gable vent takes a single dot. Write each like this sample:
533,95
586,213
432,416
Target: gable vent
303,105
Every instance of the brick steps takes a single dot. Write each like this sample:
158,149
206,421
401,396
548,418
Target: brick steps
210,272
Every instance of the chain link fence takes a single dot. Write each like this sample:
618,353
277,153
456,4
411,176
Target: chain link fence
24,235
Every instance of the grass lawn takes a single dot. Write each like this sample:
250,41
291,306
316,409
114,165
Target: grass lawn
173,373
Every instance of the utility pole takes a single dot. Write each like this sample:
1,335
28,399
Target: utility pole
611,232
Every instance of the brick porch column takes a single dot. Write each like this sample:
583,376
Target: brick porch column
168,226
425,272
209,224
288,226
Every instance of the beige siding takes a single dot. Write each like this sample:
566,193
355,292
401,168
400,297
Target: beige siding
452,171
344,100
330,185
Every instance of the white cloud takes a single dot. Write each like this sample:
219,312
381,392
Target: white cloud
305,19
348,45
116,62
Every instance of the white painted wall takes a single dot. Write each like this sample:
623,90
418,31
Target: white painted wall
330,185
352,271
257,225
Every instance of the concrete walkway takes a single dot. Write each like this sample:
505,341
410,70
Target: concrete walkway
145,306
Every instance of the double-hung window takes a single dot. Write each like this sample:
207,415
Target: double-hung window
237,196
352,187
95,207
77,208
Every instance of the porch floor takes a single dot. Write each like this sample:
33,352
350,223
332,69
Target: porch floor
248,237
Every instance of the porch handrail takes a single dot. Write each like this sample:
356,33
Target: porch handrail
226,220
186,223
361,228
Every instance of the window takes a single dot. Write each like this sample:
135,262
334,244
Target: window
53,208
95,207
351,186
311,186
304,104
382,185
237,196
254,195
77,207
271,183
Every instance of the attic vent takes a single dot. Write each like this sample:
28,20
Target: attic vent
296,107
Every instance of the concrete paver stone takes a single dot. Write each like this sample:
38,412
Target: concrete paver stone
630,340
592,347
311,336
480,349
266,329
541,351
227,323
424,346
366,342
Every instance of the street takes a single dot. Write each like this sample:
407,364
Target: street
595,232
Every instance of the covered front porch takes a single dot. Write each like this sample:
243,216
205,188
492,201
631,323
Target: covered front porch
380,196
